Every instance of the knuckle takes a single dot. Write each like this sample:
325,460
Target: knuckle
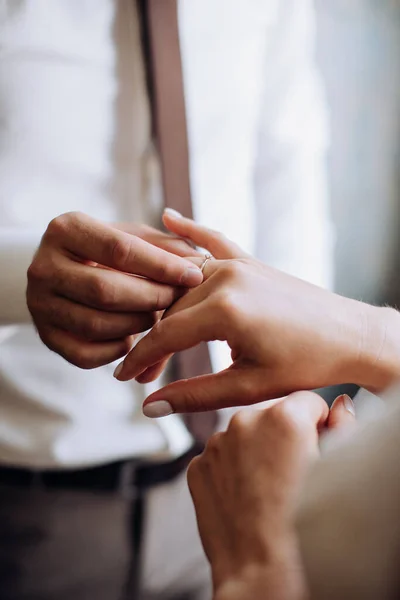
102,293
84,360
93,327
233,270
163,298
239,424
37,271
285,421
228,301
60,225
122,253
228,306
213,445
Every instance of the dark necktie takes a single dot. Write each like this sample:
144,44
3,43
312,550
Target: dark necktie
169,115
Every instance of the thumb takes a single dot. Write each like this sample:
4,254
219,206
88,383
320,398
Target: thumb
231,387
342,413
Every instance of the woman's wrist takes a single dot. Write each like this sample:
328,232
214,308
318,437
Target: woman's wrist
283,581
279,575
378,361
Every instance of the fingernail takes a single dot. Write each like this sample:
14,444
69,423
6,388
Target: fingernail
118,370
173,213
159,408
192,276
348,404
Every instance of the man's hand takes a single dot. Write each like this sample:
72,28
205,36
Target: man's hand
92,286
284,333
245,487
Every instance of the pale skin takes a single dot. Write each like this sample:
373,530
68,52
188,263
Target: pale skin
93,286
245,487
246,483
284,333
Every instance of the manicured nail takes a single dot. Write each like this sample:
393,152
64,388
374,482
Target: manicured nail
118,370
349,404
173,213
192,276
159,408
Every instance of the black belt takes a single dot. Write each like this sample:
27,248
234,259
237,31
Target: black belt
130,478
125,476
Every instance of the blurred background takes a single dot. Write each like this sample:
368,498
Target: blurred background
359,56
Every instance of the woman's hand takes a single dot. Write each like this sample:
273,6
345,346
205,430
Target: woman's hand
245,487
285,334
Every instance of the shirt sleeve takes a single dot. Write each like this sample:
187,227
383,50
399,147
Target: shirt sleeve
295,232
17,247
349,515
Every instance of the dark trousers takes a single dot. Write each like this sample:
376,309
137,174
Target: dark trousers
59,544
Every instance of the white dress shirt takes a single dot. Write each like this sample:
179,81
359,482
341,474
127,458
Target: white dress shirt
75,135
